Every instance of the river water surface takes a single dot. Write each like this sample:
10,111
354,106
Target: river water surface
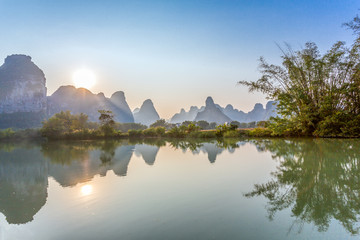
251,189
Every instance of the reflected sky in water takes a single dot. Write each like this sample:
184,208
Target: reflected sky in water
254,189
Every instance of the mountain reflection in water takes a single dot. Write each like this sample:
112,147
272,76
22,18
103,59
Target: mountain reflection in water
25,168
318,180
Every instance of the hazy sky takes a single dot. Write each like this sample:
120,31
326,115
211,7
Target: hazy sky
174,52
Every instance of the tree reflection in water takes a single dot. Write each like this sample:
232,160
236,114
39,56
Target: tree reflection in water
319,179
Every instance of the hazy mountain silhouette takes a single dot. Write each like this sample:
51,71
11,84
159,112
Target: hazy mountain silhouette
185,116
212,113
70,165
22,93
148,152
147,113
234,114
271,109
212,150
81,100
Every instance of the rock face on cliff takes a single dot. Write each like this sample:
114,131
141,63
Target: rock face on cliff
147,113
81,100
212,113
185,116
22,93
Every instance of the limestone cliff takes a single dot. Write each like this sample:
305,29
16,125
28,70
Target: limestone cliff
147,113
22,93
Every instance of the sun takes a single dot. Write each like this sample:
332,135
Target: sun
84,78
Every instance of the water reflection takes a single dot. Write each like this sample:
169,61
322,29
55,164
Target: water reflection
213,148
25,168
319,180
23,183
86,190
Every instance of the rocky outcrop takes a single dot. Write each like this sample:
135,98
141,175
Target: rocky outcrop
81,100
147,113
185,116
22,93
212,113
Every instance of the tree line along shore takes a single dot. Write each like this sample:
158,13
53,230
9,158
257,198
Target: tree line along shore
65,125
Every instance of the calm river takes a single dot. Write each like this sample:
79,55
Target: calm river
251,189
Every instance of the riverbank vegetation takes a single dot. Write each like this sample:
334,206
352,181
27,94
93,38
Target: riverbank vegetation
65,125
318,95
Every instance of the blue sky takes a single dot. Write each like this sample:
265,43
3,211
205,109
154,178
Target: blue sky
174,52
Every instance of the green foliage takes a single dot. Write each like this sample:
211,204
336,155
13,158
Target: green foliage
63,123
160,123
235,123
232,134
260,132
177,132
154,132
212,125
107,122
192,128
125,127
135,133
317,94
221,129
203,124
263,124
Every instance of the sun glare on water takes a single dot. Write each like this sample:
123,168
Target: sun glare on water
84,78
86,190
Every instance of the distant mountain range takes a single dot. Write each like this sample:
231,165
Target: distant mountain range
24,104
212,112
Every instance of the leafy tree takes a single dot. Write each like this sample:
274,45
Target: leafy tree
160,123
187,123
64,123
107,122
203,124
236,123
212,125
317,94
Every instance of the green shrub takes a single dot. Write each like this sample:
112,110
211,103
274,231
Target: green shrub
261,132
232,134
135,133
